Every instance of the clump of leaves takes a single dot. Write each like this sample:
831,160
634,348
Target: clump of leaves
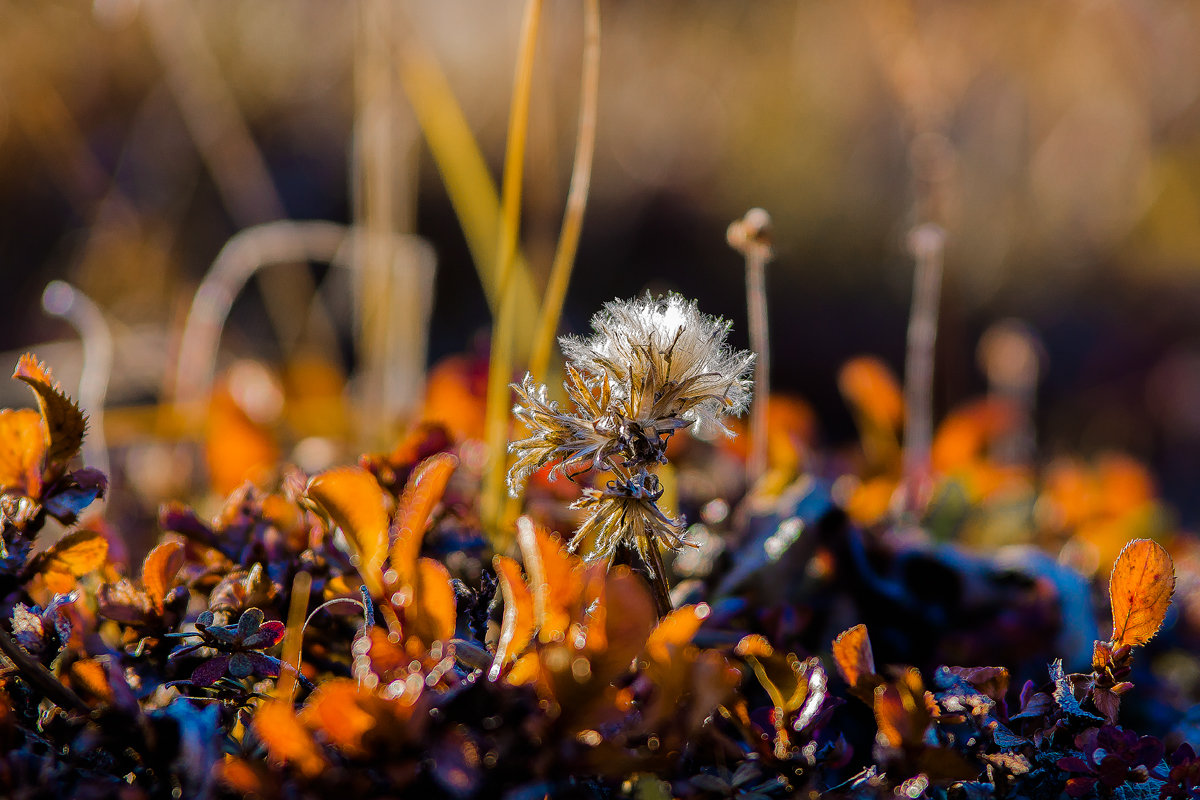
229,666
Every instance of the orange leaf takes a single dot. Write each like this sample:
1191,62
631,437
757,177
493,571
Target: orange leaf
65,423
433,614
553,578
627,615
422,492
159,569
236,448
902,711
355,502
675,631
754,644
868,384
22,451
1140,589
90,674
334,711
516,628
278,727
852,654
71,557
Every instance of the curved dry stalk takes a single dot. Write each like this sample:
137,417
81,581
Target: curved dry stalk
500,361
577,196
66,302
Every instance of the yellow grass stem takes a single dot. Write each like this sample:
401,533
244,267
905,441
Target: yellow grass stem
294,637
577,196
500,363
464,172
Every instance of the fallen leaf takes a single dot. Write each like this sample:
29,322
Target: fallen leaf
1140,589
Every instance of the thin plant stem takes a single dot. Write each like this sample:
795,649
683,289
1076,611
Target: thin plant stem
658,582
926,243
66,302
500,365
40,677
750,236
577,196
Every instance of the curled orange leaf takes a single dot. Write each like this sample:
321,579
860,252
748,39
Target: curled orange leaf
432,615
355,502
159,570
516,627
65,423
422,492
1140,589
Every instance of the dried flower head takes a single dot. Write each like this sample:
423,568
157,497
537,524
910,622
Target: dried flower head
665,358
651,367
626,512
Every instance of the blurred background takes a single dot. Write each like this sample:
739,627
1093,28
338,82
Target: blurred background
1057,143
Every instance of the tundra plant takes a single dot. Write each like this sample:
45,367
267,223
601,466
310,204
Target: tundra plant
651,367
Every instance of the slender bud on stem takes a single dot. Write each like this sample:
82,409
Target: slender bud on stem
751,236
926,243
1010,355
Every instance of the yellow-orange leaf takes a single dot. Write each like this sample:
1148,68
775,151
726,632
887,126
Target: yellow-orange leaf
1140,589
287,741
754,644
433,616
335,712
675,631
65,423
868,384
553,578
516,627
71,557
627,614
159,569
355,502
22,451
852,654
90,674
422,492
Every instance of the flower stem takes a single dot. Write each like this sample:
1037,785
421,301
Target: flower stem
500,365
750,236
40,677
926,243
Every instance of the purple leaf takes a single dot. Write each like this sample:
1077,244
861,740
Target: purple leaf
210,671
269,634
